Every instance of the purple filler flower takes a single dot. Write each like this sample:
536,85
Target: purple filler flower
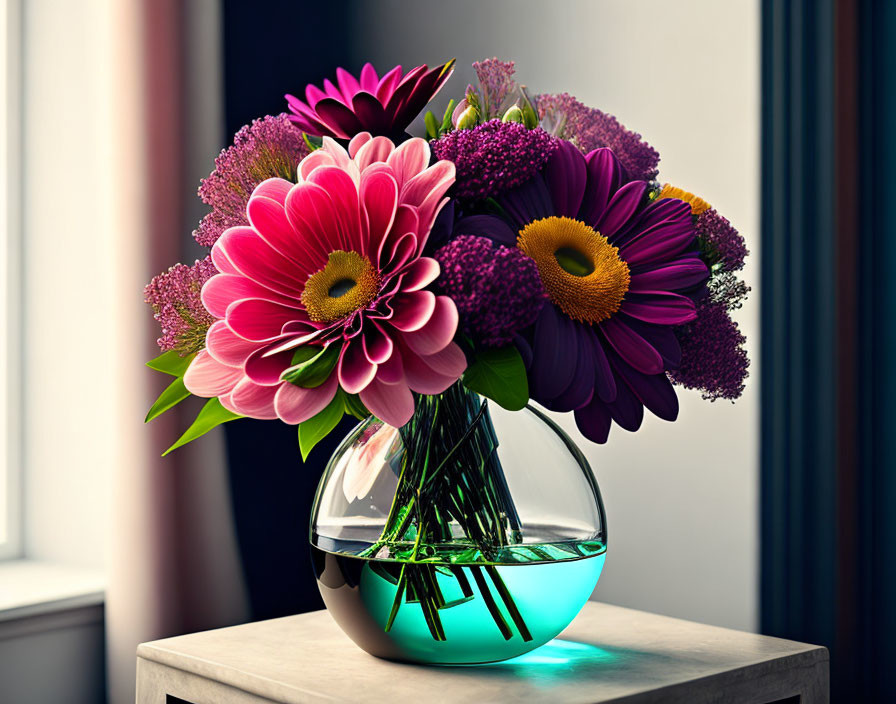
713,359
494,157
497,289
496,81
174,297
269,147
724,242
589,128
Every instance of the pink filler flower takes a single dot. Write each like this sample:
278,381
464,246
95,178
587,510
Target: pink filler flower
334,259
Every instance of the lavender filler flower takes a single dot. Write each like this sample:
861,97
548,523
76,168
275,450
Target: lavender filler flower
713,359
494,157
589,128
271,146
497,289
496,81
175,301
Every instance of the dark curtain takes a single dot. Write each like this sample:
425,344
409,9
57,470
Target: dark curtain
272,47
829,335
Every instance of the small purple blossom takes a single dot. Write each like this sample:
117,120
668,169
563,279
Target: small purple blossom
496,81
497,289
270,147
177,306
724,242
590,128
713,359
494,157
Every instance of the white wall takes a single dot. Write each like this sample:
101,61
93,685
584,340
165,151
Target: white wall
681,498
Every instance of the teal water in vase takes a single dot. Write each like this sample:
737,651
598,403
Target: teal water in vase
470,535
546,595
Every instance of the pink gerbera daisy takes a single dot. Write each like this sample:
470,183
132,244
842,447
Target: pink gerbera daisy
333,264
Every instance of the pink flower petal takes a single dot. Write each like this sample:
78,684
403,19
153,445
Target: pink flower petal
438,332
255,319
295,405
253,400
358,141
421,377
273,188
410,159
450,361
256,259
428,187
313,161
420,273
343,193
265,368
374,151
223,289
207,377
379,200
392,403
392,370
355,370
311,212
268,218
369,79
397,251
227,347
221,260
377,344
412,310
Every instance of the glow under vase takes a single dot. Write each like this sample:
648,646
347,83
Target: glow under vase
471,535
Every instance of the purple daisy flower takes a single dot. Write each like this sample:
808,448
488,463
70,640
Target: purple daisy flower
589,128
620,272
497,289
494,157
382,106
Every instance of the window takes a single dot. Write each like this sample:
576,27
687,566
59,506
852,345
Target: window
10,285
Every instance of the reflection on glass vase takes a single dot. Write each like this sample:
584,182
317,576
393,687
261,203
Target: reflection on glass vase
470,535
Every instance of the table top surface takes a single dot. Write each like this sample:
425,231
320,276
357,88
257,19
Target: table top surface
608,652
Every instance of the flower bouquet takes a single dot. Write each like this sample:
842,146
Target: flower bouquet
523,251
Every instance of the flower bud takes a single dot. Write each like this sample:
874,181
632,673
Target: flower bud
468,118
513,114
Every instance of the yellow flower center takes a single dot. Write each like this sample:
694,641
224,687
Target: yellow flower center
698,205
581,271
347,283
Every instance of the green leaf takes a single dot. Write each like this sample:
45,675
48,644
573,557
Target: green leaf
315,429
498,373
313,143
171,362
354,406
446,120
432,127
312,366
170,397
212,414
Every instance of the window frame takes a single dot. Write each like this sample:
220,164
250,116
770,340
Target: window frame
11,295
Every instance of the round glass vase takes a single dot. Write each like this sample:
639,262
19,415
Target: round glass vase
472,534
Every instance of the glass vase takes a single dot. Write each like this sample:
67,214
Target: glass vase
470,535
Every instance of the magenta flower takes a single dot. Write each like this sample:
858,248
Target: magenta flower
381,106
333,262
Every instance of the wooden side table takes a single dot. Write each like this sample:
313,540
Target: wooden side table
608,654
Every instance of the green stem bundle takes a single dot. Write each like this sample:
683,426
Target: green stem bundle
452,498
